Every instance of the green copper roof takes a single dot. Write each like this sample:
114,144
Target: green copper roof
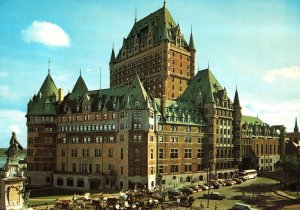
191,44
204,82
113,57
43,102
252,120
236,99
156,20
80,86
48,88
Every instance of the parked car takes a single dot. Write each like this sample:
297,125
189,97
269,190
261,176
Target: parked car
215,184
241,206
238,181
221,182
209,186
228,183
186,190
214,196
172,192
203,187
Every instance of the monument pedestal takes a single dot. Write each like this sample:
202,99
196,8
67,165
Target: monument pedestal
12,185
12,193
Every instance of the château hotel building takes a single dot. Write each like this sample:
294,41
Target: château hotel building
159,123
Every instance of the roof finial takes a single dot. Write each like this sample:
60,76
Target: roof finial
164,3
135,16
208,65
80,72
49,62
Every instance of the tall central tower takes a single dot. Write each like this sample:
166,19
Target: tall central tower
157,51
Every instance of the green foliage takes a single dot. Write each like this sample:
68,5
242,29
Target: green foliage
3,152
291,164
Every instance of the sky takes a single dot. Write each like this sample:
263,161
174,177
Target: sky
252,45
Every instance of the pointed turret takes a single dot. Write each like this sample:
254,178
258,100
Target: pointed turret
112,57
296,129
48,87
236,99
191,44
165,35
80,86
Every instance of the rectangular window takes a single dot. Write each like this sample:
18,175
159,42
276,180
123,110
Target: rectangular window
74,167
161,153
200,167
151,154
200,153
98,168
122,153
174,168
110,153
97,153
137,154
161,169
174,153
187,153
187,168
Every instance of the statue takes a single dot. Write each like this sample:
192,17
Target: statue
14,146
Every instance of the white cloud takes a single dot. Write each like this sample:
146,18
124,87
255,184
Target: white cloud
6,92
274,113
3,74
12,120
46,33
291,73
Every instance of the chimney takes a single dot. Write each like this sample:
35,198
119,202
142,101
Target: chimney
61,95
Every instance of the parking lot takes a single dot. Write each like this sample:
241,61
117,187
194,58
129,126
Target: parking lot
256,192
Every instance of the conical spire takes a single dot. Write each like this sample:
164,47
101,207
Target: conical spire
236,99
191,44
80,85
48,87
165,35
112,57
296,129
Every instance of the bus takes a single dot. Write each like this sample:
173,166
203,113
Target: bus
248,174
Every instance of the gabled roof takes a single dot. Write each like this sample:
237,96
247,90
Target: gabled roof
155,20
252,120
204,82
136,92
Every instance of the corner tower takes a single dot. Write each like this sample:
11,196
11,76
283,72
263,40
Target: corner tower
157,51
42,131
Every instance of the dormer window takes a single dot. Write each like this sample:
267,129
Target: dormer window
137,103
47,107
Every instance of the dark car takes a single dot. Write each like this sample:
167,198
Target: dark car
214,196
186,190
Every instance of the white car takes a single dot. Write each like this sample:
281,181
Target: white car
241,206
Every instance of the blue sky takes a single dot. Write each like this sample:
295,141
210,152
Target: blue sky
253,45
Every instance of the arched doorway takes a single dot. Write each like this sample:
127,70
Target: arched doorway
226,175
220,176
95,184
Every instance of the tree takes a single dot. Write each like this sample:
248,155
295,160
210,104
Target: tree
291,164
